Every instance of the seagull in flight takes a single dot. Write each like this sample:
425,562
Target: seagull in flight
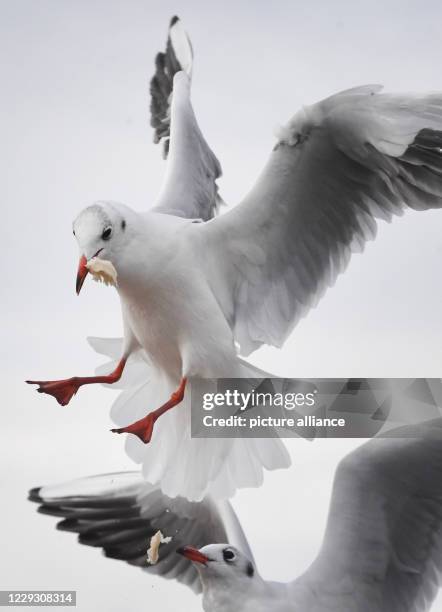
199,289
381,552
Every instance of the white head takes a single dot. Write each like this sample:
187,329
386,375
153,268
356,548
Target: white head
102,229
220,563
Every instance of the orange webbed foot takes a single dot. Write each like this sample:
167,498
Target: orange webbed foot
143,428
62,390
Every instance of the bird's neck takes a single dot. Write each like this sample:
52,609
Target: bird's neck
222,596
154,242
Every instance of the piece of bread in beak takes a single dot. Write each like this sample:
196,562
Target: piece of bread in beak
102,270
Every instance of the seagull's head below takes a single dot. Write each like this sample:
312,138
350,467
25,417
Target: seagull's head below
101,230
219,561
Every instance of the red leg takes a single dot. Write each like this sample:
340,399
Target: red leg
144,427
63,390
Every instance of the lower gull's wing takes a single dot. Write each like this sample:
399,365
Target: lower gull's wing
337,167
120,512
382,548
190,188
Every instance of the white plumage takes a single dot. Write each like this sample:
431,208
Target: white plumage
193,291
181,465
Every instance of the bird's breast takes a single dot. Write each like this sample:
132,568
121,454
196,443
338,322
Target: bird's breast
176,319
157,330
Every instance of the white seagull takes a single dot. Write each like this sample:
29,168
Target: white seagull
382,548
198,289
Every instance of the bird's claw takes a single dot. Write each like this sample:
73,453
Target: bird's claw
142,429
62,390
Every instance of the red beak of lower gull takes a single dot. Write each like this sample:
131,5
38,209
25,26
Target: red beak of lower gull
81,274
193,554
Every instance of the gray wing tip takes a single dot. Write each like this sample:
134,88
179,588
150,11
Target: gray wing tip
173,21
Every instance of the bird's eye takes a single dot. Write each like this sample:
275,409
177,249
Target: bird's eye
228,554
73,231
106,233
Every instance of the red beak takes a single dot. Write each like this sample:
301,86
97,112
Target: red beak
81,274
193,554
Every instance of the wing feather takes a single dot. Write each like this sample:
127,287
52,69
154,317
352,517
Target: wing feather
190,188
120,512
167,65
338,167
384,530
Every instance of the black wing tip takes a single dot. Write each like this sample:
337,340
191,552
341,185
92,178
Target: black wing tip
51,510
68,524
136,556
92,538
34,495
159,62
173,21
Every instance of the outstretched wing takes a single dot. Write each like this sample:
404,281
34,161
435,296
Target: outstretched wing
337,167
120,512
190,188
382,548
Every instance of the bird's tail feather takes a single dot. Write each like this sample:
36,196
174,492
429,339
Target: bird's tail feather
182,465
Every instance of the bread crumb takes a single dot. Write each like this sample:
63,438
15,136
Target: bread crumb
155,541
102,271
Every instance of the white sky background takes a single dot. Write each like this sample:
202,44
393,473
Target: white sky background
75,129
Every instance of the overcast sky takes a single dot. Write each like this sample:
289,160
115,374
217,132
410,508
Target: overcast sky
75,128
